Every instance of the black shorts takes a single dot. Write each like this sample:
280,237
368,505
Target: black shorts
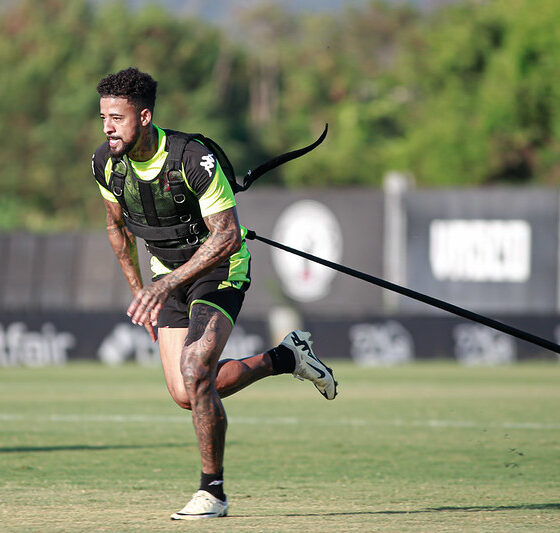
213,289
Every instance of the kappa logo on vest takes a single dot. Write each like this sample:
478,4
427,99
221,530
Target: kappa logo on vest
208,163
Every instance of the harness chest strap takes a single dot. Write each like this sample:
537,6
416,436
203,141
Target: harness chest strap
164,233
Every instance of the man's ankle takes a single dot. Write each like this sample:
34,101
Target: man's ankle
214,484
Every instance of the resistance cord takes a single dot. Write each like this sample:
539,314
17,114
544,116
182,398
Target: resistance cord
440,304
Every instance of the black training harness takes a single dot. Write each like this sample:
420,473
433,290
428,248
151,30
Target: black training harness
174,239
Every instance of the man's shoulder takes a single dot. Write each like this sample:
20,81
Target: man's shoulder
198,160
102,153
99,163
194,142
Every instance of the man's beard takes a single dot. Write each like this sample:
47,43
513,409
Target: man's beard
126,147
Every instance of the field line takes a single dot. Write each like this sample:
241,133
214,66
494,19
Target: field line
276,421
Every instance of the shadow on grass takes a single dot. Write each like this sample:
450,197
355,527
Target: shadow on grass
87,447
467,509
481,508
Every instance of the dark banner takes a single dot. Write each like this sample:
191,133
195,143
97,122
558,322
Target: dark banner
490,250
39,339
80,271
390,341
343,226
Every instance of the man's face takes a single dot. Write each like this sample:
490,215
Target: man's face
121,124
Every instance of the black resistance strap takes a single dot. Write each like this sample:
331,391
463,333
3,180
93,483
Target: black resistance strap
440,304
256,173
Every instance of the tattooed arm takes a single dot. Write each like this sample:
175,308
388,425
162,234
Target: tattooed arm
224,241
123,244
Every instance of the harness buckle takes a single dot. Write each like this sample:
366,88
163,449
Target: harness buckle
195,240
185,218
119,164
119,174
194,229
179,198
117,191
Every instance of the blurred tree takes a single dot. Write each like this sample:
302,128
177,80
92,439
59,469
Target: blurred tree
324,68
53,54
461,94
486,106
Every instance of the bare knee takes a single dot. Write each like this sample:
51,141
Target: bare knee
180,397
183,404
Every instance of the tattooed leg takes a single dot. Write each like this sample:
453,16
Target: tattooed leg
236,374
232,374
207,335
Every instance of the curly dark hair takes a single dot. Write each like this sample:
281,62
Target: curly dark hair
137,87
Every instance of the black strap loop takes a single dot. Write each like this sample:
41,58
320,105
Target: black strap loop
256,173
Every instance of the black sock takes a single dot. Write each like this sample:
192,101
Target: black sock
214,484
283,360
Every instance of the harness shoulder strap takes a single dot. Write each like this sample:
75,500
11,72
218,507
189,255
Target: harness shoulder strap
116,181
176,143
148,203
99,162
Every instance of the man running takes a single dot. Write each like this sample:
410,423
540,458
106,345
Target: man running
170,190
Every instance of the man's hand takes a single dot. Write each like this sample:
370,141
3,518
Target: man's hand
151,332
224,240
147,304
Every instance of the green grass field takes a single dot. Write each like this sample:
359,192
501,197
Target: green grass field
425,447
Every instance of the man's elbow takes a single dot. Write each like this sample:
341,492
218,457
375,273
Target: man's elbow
234,243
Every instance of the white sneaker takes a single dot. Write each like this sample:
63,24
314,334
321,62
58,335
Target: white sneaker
202,505
308,366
